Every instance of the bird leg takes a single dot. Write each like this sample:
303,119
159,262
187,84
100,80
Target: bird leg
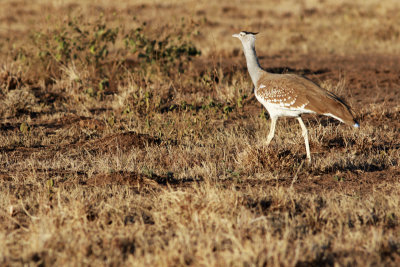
305,135
271,130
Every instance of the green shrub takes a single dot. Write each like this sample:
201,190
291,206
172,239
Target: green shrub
82,43
165,52
101,51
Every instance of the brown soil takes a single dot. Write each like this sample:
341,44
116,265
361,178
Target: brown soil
371,79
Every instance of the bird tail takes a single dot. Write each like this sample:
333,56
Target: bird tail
334,107
340,110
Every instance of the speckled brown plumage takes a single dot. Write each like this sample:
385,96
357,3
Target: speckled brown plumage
293,92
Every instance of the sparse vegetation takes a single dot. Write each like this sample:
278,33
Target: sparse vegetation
130,135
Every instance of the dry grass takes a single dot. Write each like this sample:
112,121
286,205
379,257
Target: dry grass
111,156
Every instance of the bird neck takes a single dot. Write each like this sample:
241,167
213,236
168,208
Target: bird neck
253,66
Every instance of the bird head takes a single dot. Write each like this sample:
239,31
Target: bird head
246,37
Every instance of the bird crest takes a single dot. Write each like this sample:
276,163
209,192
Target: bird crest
253,33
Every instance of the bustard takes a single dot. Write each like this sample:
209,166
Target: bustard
290,95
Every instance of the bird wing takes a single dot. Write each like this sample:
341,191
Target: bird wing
282,90
320,100
299,93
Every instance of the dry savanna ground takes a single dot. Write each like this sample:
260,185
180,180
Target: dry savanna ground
130,135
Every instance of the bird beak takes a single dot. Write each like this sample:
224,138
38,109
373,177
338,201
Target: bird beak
235,35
